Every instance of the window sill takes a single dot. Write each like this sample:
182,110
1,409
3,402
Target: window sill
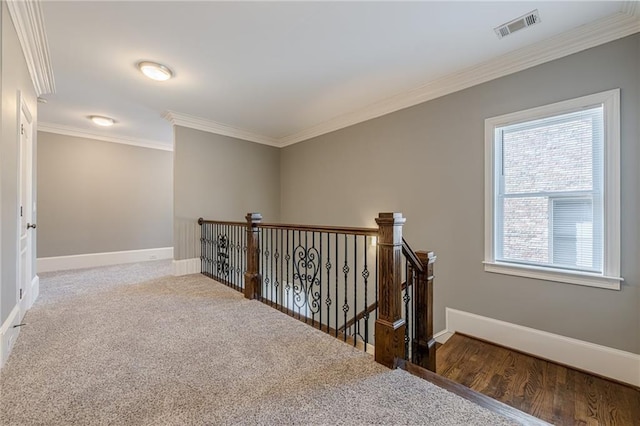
578,278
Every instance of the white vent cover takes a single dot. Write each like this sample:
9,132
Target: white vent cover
518,24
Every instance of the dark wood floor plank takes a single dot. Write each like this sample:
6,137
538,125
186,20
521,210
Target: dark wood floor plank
552,392
476,397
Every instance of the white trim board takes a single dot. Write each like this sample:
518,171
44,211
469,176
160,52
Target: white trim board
187,266
602,360
81,133
59,263
9,334
28,19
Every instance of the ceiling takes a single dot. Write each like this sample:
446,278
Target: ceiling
271,69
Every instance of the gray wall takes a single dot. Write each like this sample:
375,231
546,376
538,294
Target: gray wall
96,196
222,178
14,78
427,162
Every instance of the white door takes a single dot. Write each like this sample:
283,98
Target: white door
25,240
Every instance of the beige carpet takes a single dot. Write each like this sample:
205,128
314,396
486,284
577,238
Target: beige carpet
126,346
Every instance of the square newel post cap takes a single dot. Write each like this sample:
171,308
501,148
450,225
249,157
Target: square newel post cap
254,217
390,219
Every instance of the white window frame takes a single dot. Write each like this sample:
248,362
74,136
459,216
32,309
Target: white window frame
610,277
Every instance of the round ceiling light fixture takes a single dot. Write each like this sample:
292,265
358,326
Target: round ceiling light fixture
155,71
102,121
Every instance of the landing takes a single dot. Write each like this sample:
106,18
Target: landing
120,345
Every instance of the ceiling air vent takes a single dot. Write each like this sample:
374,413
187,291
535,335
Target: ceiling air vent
518,24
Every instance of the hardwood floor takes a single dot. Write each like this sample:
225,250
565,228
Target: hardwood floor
549,391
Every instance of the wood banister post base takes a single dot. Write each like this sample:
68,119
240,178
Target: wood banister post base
390,326
252,279
389,341
423,349
252,286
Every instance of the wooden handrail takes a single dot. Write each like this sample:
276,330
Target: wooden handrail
321,228
201,221
310,228
411,256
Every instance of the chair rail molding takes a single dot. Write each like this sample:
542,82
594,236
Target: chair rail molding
29,22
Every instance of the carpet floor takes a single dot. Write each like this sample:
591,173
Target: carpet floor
132,345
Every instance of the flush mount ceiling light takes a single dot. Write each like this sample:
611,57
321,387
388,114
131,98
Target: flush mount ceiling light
155,71
102,121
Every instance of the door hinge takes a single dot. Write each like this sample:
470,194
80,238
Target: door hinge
20,294
20,211
22,129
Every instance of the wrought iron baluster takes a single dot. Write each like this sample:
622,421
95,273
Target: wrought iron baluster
355,288
264,279
320,276
232,258
345,270
376,275
276,256
365,275
328,300
336,283
269,259
406,298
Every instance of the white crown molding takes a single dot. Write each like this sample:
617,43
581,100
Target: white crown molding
602,31
186,120
81,133
29,23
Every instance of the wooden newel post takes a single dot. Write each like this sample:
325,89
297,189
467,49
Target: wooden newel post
424,345
390,326
252,278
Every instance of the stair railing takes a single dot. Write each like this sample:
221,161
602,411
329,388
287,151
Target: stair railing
344,281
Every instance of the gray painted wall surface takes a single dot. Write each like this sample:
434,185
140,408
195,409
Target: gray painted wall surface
96,196
15,77
222,178
427,162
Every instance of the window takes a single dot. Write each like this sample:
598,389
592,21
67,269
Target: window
552,196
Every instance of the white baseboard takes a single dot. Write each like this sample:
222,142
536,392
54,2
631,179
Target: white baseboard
60,263
187,266
602,360
442,336
9,334
35,291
